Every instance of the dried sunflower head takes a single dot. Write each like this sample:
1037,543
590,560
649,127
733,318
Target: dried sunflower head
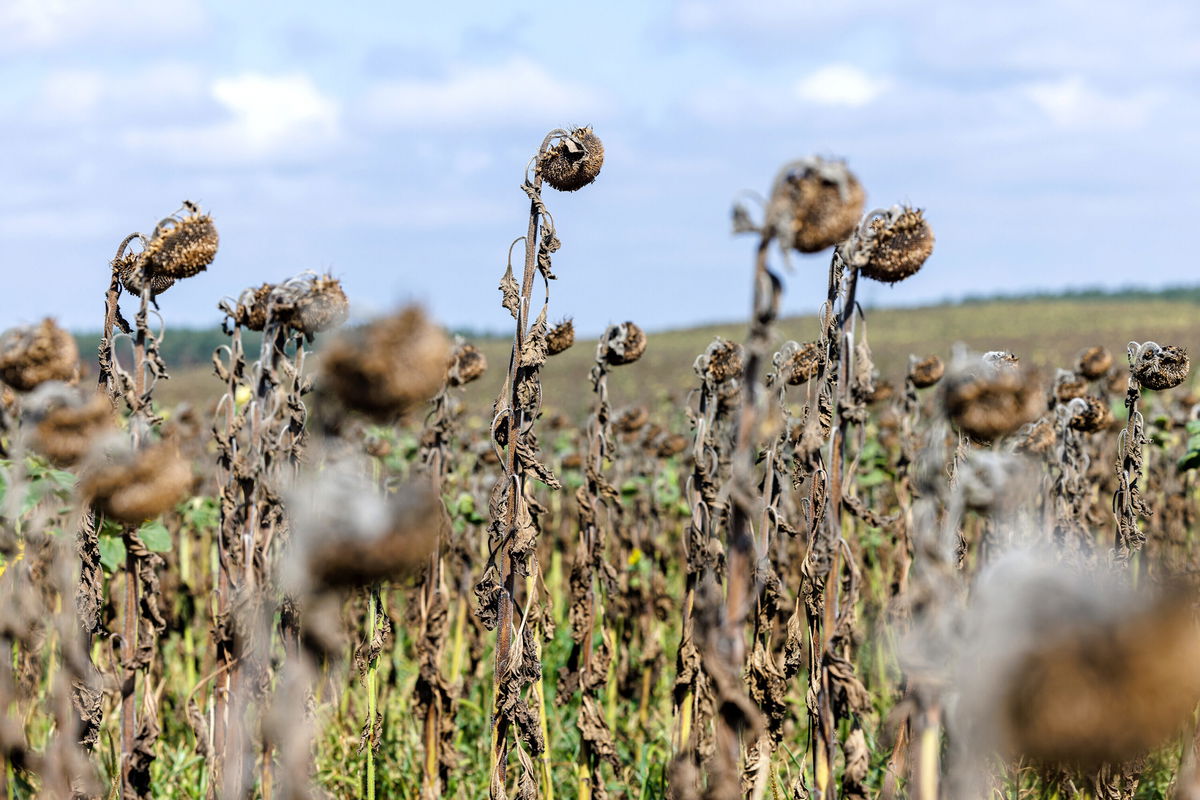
800,363
722,361
672,445
254,307
1068,386
1158,368
1036,438
574,161
632,419
321,307
347,535
622,344
825,201
129,271
991,398
1089,414
384,369
466,364
1075,669
881,392
560,337
33,354
66,421
926,372
1094,362
132,486
896,245
181,246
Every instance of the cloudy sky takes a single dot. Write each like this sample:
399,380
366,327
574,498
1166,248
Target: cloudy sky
1052,143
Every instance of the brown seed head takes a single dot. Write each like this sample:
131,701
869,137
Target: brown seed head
574,161
882,392
322,307
1036,438
1159,368
1089,414
386,368
722,361
67,421
991,400
632,419
900,242
1094,362
572,461
1107,689
351,536
623,344
253,307
134,486
129,271
1068,386
926,372
826,201
560,337
34,354
802,365
466,364
377,447
181,248
672,445
559,421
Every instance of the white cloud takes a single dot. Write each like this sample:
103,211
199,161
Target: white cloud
268,118
840,85
506,93
43,24
1072,102
268,110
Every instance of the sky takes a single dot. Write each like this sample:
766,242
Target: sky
1052,144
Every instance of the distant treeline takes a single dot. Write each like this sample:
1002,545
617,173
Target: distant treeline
182,347
188,347
1182,294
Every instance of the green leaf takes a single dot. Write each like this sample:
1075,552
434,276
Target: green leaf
37,490
155,536
112,552
873,478
64,479
465,504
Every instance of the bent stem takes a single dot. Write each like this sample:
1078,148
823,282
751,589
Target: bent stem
372,668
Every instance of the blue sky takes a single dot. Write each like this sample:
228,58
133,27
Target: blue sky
1053,143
